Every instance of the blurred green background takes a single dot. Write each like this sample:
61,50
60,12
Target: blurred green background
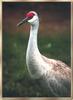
54,41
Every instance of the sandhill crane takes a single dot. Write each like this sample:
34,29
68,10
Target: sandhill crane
53,74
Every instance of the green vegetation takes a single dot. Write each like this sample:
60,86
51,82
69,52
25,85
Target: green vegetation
16,80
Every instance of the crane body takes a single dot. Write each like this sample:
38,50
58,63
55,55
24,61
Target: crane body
54,75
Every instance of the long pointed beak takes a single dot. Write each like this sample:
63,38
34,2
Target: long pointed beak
22,21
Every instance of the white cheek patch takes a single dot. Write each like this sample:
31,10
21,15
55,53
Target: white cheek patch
33,19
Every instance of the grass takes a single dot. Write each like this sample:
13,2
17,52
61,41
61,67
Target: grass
16,80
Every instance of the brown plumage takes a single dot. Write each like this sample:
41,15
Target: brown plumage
58,81
59,67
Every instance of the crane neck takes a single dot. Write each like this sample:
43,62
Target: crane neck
33,35
33,53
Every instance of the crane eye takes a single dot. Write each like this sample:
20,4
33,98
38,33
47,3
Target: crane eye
30,15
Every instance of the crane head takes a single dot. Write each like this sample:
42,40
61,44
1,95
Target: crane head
30,17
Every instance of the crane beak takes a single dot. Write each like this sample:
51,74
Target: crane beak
22,21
